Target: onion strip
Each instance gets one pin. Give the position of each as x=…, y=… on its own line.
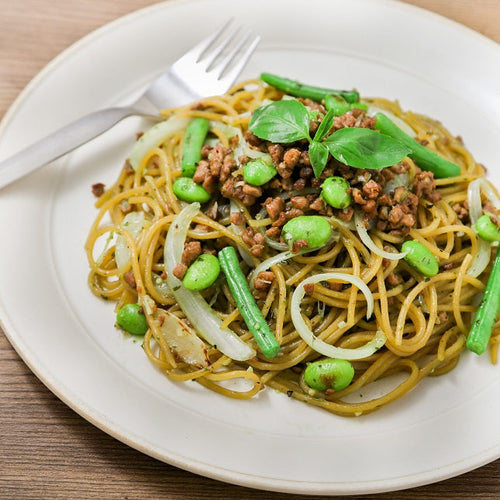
x=154, y=137
x=366, y=239
x=276, y=259
x=483, y=255
x=133, y=222
x=321, y=346
x=194, y=306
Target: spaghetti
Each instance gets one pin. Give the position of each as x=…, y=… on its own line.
x=401, y=325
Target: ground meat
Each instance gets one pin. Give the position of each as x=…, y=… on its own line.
x=490, y=209
x=192, y=250
x=291, y=157
x=253, y=140
x=257, y=250
x=318, y=204
x=300, y=202
x=346, y=214
x=276, y=151
x=299, y=184
x=312, y=105
x=263, y=280
x=281, y=220
x=372, y=189
x=442, y=317
x=202, y=171
x=298, y=245
x=217, y=166
x=98, y=189
x=284, y=171
x=274, y=206
x=309, y=289
x=394, y=279
x=345, y=120
x=129, y=278
x=180, y=271
x=424, y=186
x=210, y=184
x=254, y=240
x=205, y=150
x=462, y=211
x=273, y=232
x=237, y=218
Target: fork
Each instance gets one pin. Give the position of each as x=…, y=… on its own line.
x=208, y=69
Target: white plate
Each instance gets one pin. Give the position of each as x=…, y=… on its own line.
x=445, y=427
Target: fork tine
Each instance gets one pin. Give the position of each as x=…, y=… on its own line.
x=197, y=52
x=241, y=62
x=191, y=77
x=209, y=41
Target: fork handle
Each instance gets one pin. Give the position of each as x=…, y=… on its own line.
x=60, y=142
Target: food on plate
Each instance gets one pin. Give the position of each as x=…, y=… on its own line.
x=334, y=248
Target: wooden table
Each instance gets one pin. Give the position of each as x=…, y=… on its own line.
x=47, y=450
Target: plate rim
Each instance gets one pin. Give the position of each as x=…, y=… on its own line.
x=187, y=463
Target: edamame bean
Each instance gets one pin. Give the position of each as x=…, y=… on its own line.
x=258, y=172
x=335, y=192
x=487, y=229
x=313, y=229
x=131, y=319
x=187, y=190
x=202, y=272
x=420, y=257
x=329, y=373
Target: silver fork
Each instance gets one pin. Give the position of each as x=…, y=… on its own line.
x=208, y=69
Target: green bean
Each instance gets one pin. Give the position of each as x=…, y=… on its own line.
x=202, y=272
x=424, y=158
x=297, y=89
x=339, y=106
x=487, y=229
x=335, y=192
x=258, y=172
x=420, y=258
x=187, y=190
x=194, y=138
x=313, y=229
x=329, y=373
x=246, y=304
x=487, y=313
x=131, y=319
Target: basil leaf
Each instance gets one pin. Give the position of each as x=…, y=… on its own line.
x=318, y=154
x=281, y=121
x=324, y=126
x=365, y=148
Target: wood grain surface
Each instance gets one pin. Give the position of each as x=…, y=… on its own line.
x=47, y=450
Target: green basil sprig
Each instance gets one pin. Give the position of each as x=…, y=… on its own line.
x=288, y=121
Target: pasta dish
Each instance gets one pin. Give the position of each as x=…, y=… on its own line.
x=332, y=247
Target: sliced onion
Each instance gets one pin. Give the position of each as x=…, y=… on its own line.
x=366, y=239
x=399, y=180
x=276, y=259
x=474, y=198
x=133, y=223
x=319, y=345
x=181, y=339
x=194, y=306
x=482, y=258
x=154, y=137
